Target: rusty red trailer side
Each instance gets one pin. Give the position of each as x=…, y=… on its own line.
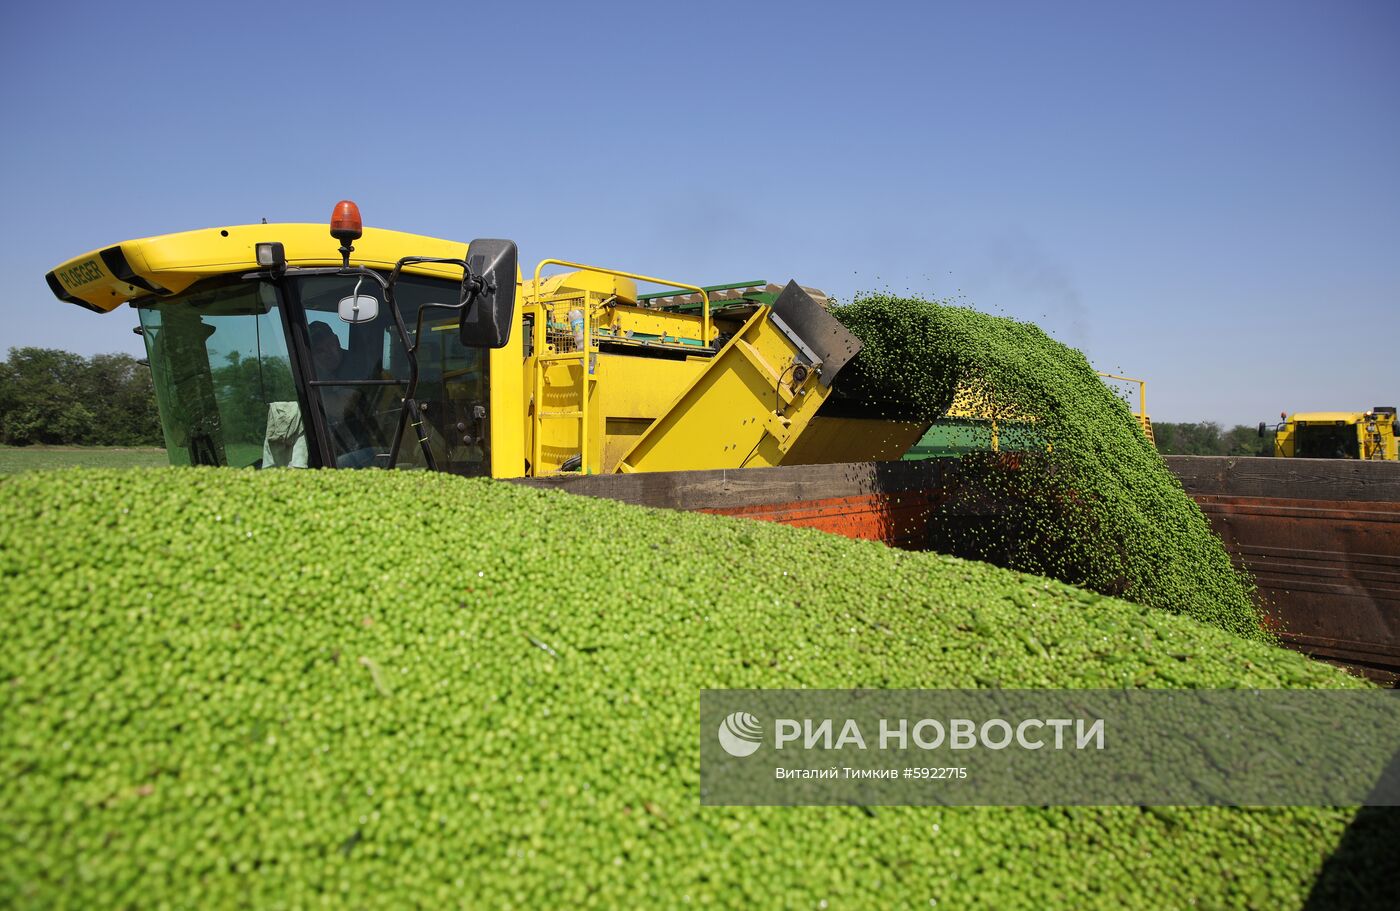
x=1322, y=539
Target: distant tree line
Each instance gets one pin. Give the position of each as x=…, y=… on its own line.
x=61, y=398
x=1207, y=438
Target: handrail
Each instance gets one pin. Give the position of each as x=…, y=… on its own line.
x=1142, y=388
x=586, y=351
x=704, y=295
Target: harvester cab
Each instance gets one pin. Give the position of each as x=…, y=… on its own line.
x=1368, y=435
x=483, y=311
x=405, y=351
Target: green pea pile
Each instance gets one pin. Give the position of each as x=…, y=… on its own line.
x=345, y=689
x=1095, y=505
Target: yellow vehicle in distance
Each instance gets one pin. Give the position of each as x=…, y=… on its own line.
x=1368, y=435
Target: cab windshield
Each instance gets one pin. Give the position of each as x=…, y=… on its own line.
x=220, y=366
x=1327, y=441
x=232, y=392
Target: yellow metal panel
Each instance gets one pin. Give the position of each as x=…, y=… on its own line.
x=643, y=387
x=831, y=440
x=1328, y=417
x=744, y=410
x=706, y=331
x=619, y=436
x=88, y=278
x=173, y=262
x=624, y=319
x=972, y=406
x=507, y=418
x=633, y=392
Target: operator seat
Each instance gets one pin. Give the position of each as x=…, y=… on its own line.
x=284, y=444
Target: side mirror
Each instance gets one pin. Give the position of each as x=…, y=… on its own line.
x=359, y=308
x=1261, y=428
x=488, y=291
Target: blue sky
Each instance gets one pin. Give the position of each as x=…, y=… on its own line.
x=1203, y=194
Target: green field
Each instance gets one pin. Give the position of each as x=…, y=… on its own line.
x=15, y=459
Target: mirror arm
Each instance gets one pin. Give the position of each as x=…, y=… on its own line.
x=411, y=260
